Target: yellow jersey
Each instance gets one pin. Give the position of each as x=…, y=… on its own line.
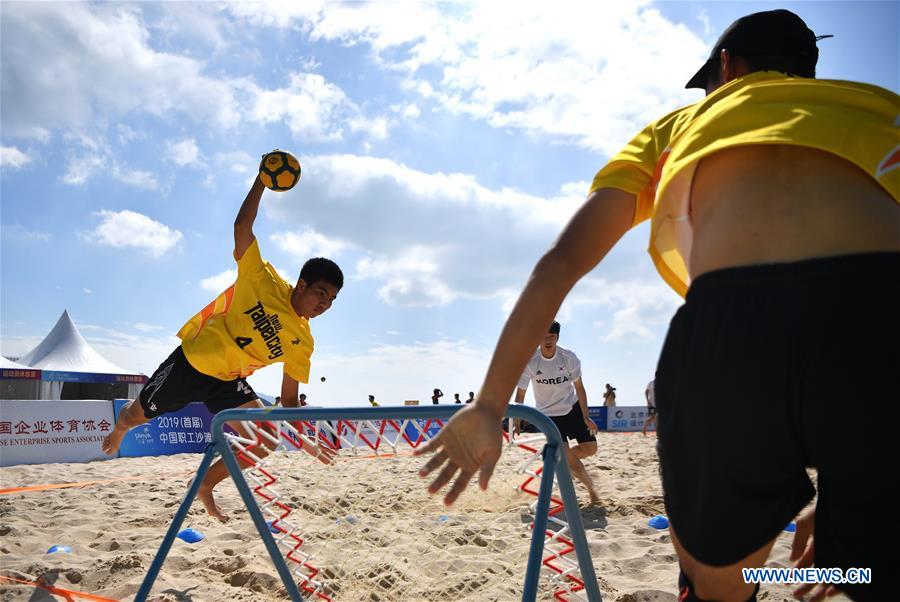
x=857, y=122
x=250, y=325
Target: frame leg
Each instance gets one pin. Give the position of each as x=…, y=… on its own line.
x=172, y=533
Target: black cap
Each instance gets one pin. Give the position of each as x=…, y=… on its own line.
x=770, y=32
x=554, y=328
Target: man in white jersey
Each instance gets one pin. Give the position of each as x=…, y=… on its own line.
x=650, y=394
x=559, y=393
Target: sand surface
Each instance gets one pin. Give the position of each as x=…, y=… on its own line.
x=373, y=532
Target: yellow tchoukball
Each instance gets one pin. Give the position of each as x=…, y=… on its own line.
x=279, y=170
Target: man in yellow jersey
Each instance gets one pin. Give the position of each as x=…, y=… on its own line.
x=774, y=208
x=259, y=320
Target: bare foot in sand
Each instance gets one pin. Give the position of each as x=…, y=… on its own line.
x=112, y=441
x=595, y=499
x=205, y=495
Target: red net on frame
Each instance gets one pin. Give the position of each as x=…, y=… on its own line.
x=363, y=528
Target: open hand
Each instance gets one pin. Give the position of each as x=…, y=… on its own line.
x=802, y=553
x=471, y=441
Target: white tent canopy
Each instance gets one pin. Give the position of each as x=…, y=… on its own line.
x=6, y=364
x=65, y=351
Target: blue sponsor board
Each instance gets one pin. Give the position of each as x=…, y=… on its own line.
x=598, y=415
x=184, y=431
x=627, y=418
x=91, y=377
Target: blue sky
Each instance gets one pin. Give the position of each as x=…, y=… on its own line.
x=443, y=148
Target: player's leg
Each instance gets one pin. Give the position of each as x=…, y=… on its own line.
x=576, y=466
x=701, y=582
x=130, y=416
x=651, y=419
x=156, y=397
x=849, y=416
x=572, y=426
x=732, y=460
x=219, y=470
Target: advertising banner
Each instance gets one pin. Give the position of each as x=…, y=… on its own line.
x=91, y=377
x=18, y=373
x=599, y=416
x=626, y=418
x=41, y=432
x=184, y=431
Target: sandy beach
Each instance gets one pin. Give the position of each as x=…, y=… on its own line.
x=369, y=525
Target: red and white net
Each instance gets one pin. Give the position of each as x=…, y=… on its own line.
x=364, y=528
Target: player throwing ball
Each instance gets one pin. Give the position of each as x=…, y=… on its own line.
x=259, y=320
x=559, y=393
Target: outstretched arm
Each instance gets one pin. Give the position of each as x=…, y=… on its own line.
x=243, y=223
x=471, y=440
x=583, y=402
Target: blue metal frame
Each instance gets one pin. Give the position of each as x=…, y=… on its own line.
x=554, y=463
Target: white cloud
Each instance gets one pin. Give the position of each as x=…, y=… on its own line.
x=86, y=291
x=220, y=281
x=137, y=178
x=20, y=232
x=236, y=161
x=410, y=280
x=314, y=109
x=80, y=169
x=144, y=327
x=393, y=373
x=407, y=110
x=639, y=308
x=12, y=158
x=589, y=73
x=92, y=156
x=124, y=229
x=183, y=152
x=426, y=238
x=308, y=243
x=97, y=63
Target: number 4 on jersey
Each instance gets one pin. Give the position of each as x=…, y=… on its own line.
x=242, y=341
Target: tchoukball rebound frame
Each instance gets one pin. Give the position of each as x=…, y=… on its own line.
x=554, y=465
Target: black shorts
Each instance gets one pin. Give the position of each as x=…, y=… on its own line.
x=572, y=425
x=177, y=383
x=767, y=370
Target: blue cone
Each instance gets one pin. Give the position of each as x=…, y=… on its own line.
x=59, y=549
x=272, y=526
x=190, y=535
x=659, y=522
x=791, y=527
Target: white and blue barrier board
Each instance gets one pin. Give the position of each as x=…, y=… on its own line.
x=43, y=432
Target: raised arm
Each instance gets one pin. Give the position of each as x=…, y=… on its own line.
x=243, y=223
x=472, y=439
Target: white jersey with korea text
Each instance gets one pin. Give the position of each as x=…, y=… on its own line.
x=554, y=381
x=650, y=394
